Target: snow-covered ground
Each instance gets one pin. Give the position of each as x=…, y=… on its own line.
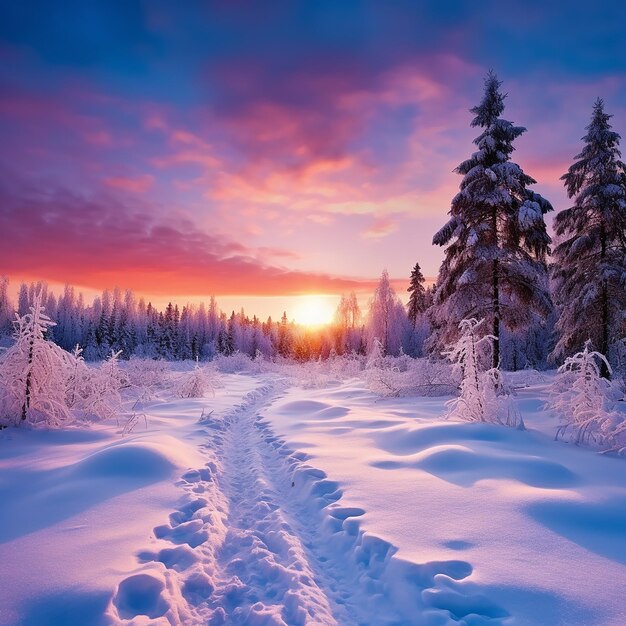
x=285, y=505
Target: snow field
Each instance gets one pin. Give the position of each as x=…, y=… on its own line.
x=537, y=525
x=271, y=504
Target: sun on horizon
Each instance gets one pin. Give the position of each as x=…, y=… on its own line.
x=314, y=310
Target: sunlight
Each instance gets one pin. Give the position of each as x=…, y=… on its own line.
x=314, y=310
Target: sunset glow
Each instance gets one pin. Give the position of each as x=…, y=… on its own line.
x=314, y=310
x=272, y=151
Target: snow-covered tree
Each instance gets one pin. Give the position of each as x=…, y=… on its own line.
x=589, y=268
x=496, y=238
x=483, y=396
x=6, y=308
x=34, y=373
x=580, y=396
x=346, y=324
x=418, y=298
x=285, y=336
x=387, y=319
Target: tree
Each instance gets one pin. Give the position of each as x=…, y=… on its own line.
x=284, y=336
x=496, y=238
x=387, y=318
x=589, y=268
x=347, y=318
x=34, y=373
x=418, y=298
x=6, y=309
x=483, y=397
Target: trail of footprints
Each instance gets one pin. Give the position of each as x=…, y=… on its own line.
x=261, y=539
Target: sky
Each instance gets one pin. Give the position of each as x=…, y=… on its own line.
x=263, y=150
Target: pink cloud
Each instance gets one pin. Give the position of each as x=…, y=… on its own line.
x=138, y=184
x=195, y=151
x=381, y=227
x=65, y=238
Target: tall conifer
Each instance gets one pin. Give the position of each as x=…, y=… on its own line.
x=496, y=239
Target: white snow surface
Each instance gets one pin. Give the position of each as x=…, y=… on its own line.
x=290, y=505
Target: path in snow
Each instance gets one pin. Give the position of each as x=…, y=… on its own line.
x=262, y=539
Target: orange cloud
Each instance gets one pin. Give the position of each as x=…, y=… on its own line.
x=102, y=243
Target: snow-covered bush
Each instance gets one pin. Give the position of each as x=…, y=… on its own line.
x=101, y=396
x=526, y=377
x=500, y=405
x=310, y=374
x=134, y=419
x=195, y=383
x=381, y=374
x=581, y=398
x=34, y=374
x=483, y=397
x=314, y=374
x=345, y=366
x=147, y=376
x=404, y=376
x=79, y=378
x=235, y=363
x=432, y=377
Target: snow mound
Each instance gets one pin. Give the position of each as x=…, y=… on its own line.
x=313, y=410
x=409, y=439
x=147, y=461
x=598, y=526
x=464, y=466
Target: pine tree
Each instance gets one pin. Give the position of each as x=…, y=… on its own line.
x=496, y=238
x=418, y=300
x=589, y=268
x=284, y=340
x=6, y=309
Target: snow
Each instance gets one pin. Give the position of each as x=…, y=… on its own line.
x=269, y=503
x=537, y=523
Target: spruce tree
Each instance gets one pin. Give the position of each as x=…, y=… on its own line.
x=589, y=267
x=418, y=299
x=496, y=238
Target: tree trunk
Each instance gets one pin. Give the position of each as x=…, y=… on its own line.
x=496, y=316
x=495, y=362
x=604, y=298
x=26, y=404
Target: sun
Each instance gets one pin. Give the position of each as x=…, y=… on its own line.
x=314, y=310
